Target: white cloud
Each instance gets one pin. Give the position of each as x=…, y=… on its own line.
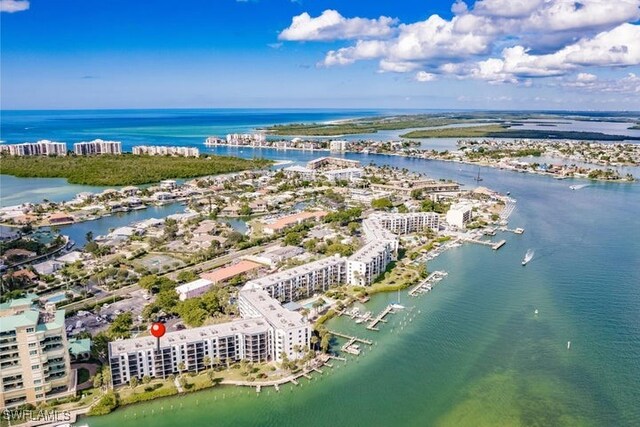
x=630, y=84
x=423, y=76
x=11, y=6
x=330, y=25
x=536, y=38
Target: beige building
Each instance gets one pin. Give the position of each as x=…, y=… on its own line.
x=34, y=354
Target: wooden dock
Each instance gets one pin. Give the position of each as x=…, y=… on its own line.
x=494, y=245
x=349, y=337
x=426, y=284
x=379, y=318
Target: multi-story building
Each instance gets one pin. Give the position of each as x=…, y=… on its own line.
x=346, y=174
x=40, y=148
x=427, y=186
x=459, y=214
x=366, y=264
x=338, y=145
x=408, y=222
x=34, y=354
x=324, y=162
x=289, y=333
x=193, y=289
x=97, y=146
x=267, y=331
x=305, y=280
x=161, y=150
x=253, y=139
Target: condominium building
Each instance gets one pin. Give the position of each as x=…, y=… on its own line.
x=338, y=145
x=289, y=333
x=459, y=214
x=34, y=354
x=339, y=162
x=266, y=332
x=305, y=280
x=370, y=261
x=193, y=289
x=346, y=174
x=408, y=222
x=97, y=146
x=161, y=150
x=40, y=148
x=253, y=139
x=427, y=186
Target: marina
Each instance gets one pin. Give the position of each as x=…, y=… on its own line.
x=427, y=284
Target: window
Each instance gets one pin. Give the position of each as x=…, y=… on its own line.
x=33, y=352
x=30, y=330
x=32, y=344
x=34, y=367
x=39, y=396
x=38, y=388
x=37, y=381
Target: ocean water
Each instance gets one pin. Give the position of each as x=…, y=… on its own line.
x=473, y=352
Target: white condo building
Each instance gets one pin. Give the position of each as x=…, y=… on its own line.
x=408, y=222
x=303, y=281
x=254, y=139
x=40, y=148
x=459, y=214
x=161, y=150
x=97, y=146
x=265, y=332
x=193, y=289
x=338, y=145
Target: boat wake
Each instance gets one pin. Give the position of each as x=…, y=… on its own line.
x=528, y=257
x=578, y=187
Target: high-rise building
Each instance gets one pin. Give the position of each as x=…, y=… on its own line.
x=40, y=148
x=97, y=146
x=161, y=150
x=34, y=354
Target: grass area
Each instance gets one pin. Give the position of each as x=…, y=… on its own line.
x=83, y=375
x=125, y=169
x=504, y=131
x=143, y=392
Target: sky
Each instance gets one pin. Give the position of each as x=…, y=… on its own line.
x=428, y=54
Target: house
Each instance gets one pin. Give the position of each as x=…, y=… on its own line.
x=18, y=254
x=60, y=218
x=205, y=228
x=291, y=220
x=47, y=267
x=223, y=274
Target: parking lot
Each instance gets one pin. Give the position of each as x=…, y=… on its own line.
x=95, y=322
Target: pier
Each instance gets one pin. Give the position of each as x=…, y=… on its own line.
x=426, y=285
x=379, y=318
x=514, y=231
x=494, y=245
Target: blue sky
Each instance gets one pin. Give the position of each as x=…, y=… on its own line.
x=488, y=54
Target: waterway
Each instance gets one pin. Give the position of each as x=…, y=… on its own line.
x=473, y=352
x=476, y=354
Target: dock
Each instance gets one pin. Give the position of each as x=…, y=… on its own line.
x=379, y=318
x=349, y=337
x=426, y=285
x=494, y=245
x=514, y=231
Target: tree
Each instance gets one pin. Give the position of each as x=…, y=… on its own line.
x=382, y=203
x=191, y=311
x=100, y=345
x=133, y=382
x=245, y=210
x=325, y=343
x=292, y=238
x=314, y=341
x=181, y=367
x=146, y=379
x=97, y=380
x=187, y=276
x=206, y=361
x=121, y=326
x=89, y=236
x=416, y=194
x=353, y=227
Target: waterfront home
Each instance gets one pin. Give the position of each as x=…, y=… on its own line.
x=58, y=218
x=18, y=254
x=47, y=267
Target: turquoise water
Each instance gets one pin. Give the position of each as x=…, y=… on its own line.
x=472, y=352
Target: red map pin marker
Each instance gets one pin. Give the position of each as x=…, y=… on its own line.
x=158, y=330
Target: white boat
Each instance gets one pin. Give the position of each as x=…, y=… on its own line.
x=535, y=312
x=397, y=306
x=527, y=257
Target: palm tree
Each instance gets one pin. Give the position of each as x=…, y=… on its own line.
x=89, y=236
x=207, y=361
x=181, y=367
x=314, y=341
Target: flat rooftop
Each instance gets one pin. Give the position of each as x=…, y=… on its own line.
x=298, y=271
x=270, y=309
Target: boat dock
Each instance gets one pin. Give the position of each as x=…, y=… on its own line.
x=351, y=345
x=514, y=231
x=379, y=318
x=494, y=245
x=426, y=285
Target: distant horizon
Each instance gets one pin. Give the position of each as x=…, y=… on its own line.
x=416, y=109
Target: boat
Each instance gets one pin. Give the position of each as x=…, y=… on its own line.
x=568, y=345
x=573, y=187
x=359, y=320
x=397, y=306
x=478, y=179
x=527, y=257
x=535, y=312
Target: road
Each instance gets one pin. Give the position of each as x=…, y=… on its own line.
x=207, y=265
